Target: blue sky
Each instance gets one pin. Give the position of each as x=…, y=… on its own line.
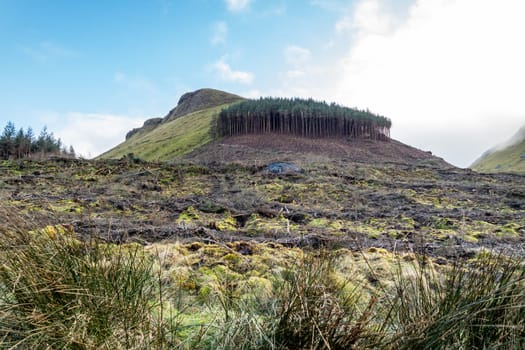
x=448, y=73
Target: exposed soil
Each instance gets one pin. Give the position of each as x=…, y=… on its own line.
x=274, y=146
x=425, y=205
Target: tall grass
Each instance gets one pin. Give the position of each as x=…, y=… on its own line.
x=316, y=311
x=309, y=309
x=57, y=292
x=478, y=304
x=61, y=293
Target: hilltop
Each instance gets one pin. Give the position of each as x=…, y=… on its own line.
x=508, y=157
x=184, y=128
x=209, y=125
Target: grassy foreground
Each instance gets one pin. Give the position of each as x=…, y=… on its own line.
x=58, y=292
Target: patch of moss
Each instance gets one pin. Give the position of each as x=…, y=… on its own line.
x=188, y=215
x=226, y=223
x=67, y=205
x=276, y=226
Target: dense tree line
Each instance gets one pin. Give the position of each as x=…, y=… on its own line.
x=301, y=117
x=16, y=144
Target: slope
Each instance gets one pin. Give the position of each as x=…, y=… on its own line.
x=184, y=128
x=509, y=157
x=274, y=129
x=169, y=139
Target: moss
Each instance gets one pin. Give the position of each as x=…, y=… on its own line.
x=443, y=224
x=232, y=258
x=256, y=286
x=320, y=222
x=470, y=238
x=407, y=222
x=279, y=225
x=381, y=251
x=227, y=223
x=508, y=230
x=67, y=205
x=189, y=215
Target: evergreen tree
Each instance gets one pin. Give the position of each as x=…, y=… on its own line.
x=71, y=152
x=307, y=118
x=19, y=144
x=7, y=140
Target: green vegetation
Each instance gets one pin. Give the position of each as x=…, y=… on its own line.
x=509, y=159
x=16, y=144
x=389, y=205
x=479, y=304
x=170, y=139
x=201, y=99
x=301, y=117
x=186, y=127
x=59, y=292
x=129, y=254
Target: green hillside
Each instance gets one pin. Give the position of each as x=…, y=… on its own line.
x=509, y=158
x=184, y=128
x=169, y=139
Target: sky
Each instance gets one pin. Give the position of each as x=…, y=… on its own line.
x=450, y=74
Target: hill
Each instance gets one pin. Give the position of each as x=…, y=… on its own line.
x=210, y=125
x=509, y=157
x=184, y=128
x=201, y=99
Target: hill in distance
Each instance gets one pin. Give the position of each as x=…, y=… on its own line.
x=509, y=157
x=210, y=125
x=184, y=128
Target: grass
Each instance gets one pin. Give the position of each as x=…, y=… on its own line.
x=509, y=159
x=474, y=305
x=58, y=292
x=169, y=140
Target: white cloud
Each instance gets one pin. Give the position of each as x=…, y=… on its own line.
x=225, y=72
x=369, y=17
x=237, y=5
x=294, y=73
x=343, y=24
x=46, y=50
x=296, y=55
x=449, y=74
x=219, y=33
x=251, y=93
x=92, y=134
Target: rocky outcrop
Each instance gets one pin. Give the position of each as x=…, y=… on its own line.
x=188, y=103
x=149, y=125
x=198, y=100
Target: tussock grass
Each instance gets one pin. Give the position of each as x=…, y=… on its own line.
x=477, y=304
x=61, y=293
x=57, y=292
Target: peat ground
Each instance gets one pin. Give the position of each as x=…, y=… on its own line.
x=424, y=205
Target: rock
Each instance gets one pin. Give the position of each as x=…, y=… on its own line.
x=283, y=168
x=198, y=100
x=148, y=125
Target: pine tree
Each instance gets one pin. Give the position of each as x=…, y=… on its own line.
x=7, y=141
